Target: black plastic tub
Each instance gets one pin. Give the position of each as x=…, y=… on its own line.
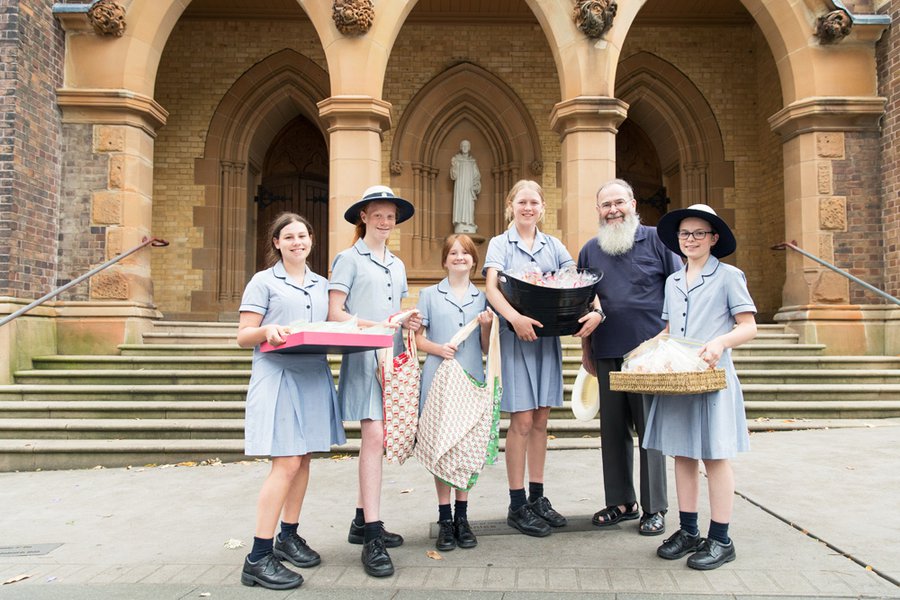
x=558, y=309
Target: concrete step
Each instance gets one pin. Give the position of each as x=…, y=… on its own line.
x=830, y=409
x=123, y=393
x=816, y=362
x=850, y=393
x=194, y=327
x=824, y=376
x=183, y=350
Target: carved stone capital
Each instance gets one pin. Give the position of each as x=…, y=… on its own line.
x=594, y=17
x=353, y=17
x=834, y=26
x=107, y=18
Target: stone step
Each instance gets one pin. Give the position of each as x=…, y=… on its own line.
x=80, y=362
x=830, y=409
x=116, y=409
x=822, y=377
x=195, y=327
x=166, y=337
x=183, y=349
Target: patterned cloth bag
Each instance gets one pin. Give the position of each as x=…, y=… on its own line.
x=400, y=392
x=459, y=428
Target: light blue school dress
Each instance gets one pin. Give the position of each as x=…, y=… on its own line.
x=711, y=425
x=443, y=314
x=292, y=408
x=532, y=371
x=374, y=290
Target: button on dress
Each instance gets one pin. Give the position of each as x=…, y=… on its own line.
x=374, y=290
x=292, y=407
x=711, y=425
x=532, y=371
x=443, y=314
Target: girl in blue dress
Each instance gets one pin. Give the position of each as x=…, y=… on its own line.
x=291, y=409
x=445, y=308
x=368, y=281
x=706, y=300
x=531, y=365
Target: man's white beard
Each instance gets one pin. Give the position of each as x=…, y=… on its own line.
x=616, y=239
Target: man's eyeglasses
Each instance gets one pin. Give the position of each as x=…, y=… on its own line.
x=697, y=235
x=619, y=204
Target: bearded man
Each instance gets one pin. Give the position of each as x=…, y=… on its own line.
x=635, y=265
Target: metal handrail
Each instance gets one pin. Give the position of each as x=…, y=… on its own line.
x=155, y=242
x=793, y=246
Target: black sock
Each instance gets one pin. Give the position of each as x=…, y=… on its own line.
x=261, y=548
x=288, y=529
x=718, y=532
x=689, y=522
x=359, y=519
x=460, y=509
x=444, y=513
x=516, y=499
x=373, y=530
x=535, y=490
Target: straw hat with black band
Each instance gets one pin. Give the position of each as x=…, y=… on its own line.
x=670, y=223
x=380, y=193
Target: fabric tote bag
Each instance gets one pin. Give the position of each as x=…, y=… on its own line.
x=459, y=428
x=400, y=377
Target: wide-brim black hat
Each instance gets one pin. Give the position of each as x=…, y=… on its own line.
x=381, y=193
x=667, y=229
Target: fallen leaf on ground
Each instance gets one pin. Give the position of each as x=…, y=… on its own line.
x=187, y=463
x=341, y=457
x=16, y=578
x=233, y=544
x=869, y=568
x=551, y=437
x=434, y=555
x=406, y=491
x=99, y=467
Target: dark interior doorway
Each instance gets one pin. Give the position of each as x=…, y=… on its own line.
x=637, y=162
x=295, y=179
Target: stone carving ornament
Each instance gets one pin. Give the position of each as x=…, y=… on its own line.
x=594, y=17
x=834, y=26
x=353, y=17
x=107, y=18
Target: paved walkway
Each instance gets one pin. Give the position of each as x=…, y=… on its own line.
x=157, y=533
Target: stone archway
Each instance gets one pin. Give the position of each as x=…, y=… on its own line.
x=465, y=101
x=675, y=115
x=251, y=114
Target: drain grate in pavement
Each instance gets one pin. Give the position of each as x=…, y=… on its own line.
x=499, y=527
x=28, y=550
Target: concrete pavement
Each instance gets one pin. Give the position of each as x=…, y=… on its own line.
x=161, y=532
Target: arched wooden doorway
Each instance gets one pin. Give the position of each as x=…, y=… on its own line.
x=295, y=179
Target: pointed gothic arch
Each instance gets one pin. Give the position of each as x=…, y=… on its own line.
x=250, y=115
x=463, y=98
x=667, y=105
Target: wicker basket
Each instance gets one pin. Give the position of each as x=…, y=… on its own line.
x=695, y=382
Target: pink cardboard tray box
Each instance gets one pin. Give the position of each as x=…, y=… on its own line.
x=329, y=342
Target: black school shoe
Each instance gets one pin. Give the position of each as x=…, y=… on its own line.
x=270, y=574
x=542, y=508
x=446, y=540
x=357, y=535
x=525, y=520
x=376, y=560
x=679, y=544
x=463, y=534
x=295, y=550
x=712, y=554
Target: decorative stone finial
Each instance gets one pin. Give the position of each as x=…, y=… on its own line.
x=353, y=17
x=594, y=17
x=107, y=17
x=834, y=26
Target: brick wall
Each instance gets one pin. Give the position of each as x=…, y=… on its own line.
x=888, y=57
x=82, y=245
x=31, y=66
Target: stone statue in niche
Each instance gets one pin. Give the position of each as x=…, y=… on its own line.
x=594, y=17
x=107, y=18
x=466, y=187
x=834, y=26
x=353, y=17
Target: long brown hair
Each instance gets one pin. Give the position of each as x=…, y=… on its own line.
x=273, y=255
